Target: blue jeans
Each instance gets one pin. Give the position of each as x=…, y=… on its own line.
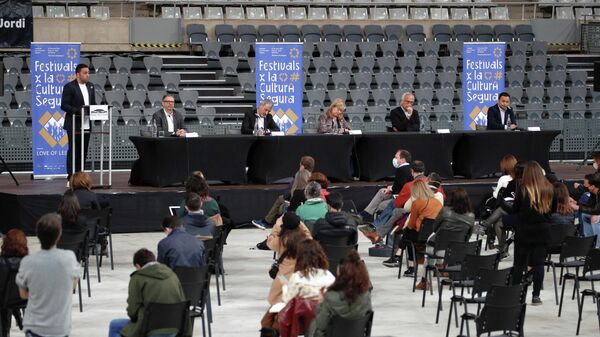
x=591, y=228
x=385, y=215
x=116, y=325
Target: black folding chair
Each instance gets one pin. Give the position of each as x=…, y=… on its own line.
x=335, y=254
x=591, y=273
x=165, y=316
x=195, y=283
x=504, y=310
x=424, y=233
x=78, y=244
x=360, y=327
x=104, y=230
x=558, y=234
x=11, y=300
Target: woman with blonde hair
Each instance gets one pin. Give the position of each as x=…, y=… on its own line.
x=332, y=121
x=534, y=203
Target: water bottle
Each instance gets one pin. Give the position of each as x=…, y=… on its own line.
x=154, y=128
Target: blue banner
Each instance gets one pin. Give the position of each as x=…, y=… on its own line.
x=483, y=80
x=52, y=66
x=279, y=78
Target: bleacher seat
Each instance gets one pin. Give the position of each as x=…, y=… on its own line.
x=524, y=33
x=398, y=14
x=326, y=48
x=196, y=35
x=565, y=13
x=535, y=95
x=255, y=13
x=389, y=48
x=23, y=99
x=136, y=98
x=276, y=13
x=578, y=77
x=353, y=33
x=374, y=33
x=334, y=94
x=268, y=33
x=322, y=64
x=171, y=81
x=140, y=81
x=557, y=78
x=558, y=62
x=116, y=98
x=423, y=96
x=368, y=48
x=101, y=64
x=344, y=64
x=359, y=97
x=578, y=94
x=410, y=48
x=405, y=80
x=504, y=33
x=518, y=48
x=415, y=33
x=189, y=98
x=234, y=13
x=386, y=64
x=539, y=47
x=439, y=14
x=332, y=33
x=584, y=14
x=417, y=13
x=316, y=98
x=483, y=33
x=213, y=13
x=25, y=80
x=169, y=12
x=155, y=98
x=556, y=94
x=428, y=64
x=499, y=13
x=455, y=48
x=55, y=11
x=381, y=96
x=247, y=81
x=78, y=12
x=224, y=33
x=384, y=80
x=426, y=80
x=341, y=80
x=319, y=80
x=13, y=64
x=441, y=33
x=359, y=13
x=317, y=13
x=447, y=79
x=449, y=63
x=538, y=62
x=394, y=32
x=311, y=33
x=378, y=13
x=363, y=80
x=407, y=64
x=365, y=64
x=247, y=33
x=515, y=79
x=463, y=33
x=123, y=64
x=211, y=49
x=192, y=13
x=37, y=11
x=289, y=33
x=296, y=13
x=516, y=63
x=338, y=13
x=118, y=82
x=480, y=13
x=461, y=14
x=536, y=78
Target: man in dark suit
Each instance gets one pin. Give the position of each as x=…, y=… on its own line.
x=76, y=94
x=404, y=117
x=501, y=116
x=260, y=120
x=168, y=119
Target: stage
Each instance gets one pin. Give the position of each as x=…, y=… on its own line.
x=141, y=209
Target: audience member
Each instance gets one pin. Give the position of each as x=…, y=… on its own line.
x=287, y=223
x=591, y=211
x=179, y=248
x=195, y=222
x=507, y=167
x=533, y=207
x=314, y=208
x=14, y=248
x=196, y=183
x=151, y=282
x=348, y=297
x=337, y=228
x=47, y=279
x=565, y=206
x=404, y=117
x=72, y=221
x=260, y=121
x=384, y=196
x=81, y=185
x=332, y=121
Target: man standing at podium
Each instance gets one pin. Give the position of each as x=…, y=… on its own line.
x=75, y=95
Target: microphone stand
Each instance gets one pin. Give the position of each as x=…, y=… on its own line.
x=6, y=168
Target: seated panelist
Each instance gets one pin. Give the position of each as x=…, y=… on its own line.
x=332, y=121
x=260, y=121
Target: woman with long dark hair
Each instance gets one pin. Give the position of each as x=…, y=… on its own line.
x=14, y=248
x=348, y=297
x=69, y=209
x=533, y=206
x=565, y=206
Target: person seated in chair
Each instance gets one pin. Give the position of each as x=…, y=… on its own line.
x=337, y=228
x=314, y=208
x=151, y=282
x=405, y=118
x=169, y=120
x=179, y=248
x=195, y=222
x=500, y=116
x=260, y=122
x=333, y=121
x=81, y=185
x=14, y=248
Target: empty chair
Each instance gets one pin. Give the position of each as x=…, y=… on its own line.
x=538, y=63
x=116, y=98
x=565, y=13
x=381, y=97
x=196, y=35
x=131, y=116
x=13, y=64
x=17, y=117
x=189, y=99
x=118, y=81
x=480, y=13
x=136, y=98
x=363, y=80
x=359, y=97
x=379, y=13
x=353, y=33
x=240, y=49
x=557, y=78
x=417, y=13
x=398, y=14
x=428, y=64
x=426, y=80
x=410, y=48
x=247, y=81
x=23, y=99
x=359, y=13
x=578, y=94
x=268, y=33
x=316, y=98
x=516, y=94
x=365, y=64
x=518, y=48
x=441, y=33
x=234, y=13
x=213, y=13
x=463, y=33
x=483, y=33
x=5, y=101
x=556, y=94
x=155, y=98
x=347, y=48
x=389, y=48
x=384, y=80
x=455, y=48
x=170, y=12
x=192, y=13
x=296, y=13
x=558, y=62
x=515, y=79
x=535, y=94
x=504, y=33
x=578, y=78
x=311, y=33
x=123, y=64
x=140, y=81
x=338, y=13
x=171, y=81
x=368, y=48
x=317, y=13
x=517, y=63
x=394, y=32
x=386, y=64
x=536, y=78
x=229, y=65
x=332, y=33
x=56, y=12
x=459, y=14
x=326, y=48
x=439, y=13
x=407, y=64
x=447, y=79
x=319, y=80
x=344, y=64
x=405, y=80
x=78, y=12
x=423, y=96
x=341, y=80
x=334, y=94
x=211, y=49
x=584, y=13
x=539, y=47
x=524, y=33
x=247, y=33
x=25, y=80
x=322, y=64
x=154, y=64
x=37, y=11
x=449, y=63
x=431, y=48
x=499, y=13
x=276, y=13
x=255, y=13
x=374, y=33
x=415, y=33
x=289, y=33
x=224, y=33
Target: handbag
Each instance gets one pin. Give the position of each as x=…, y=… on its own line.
x=275, y=266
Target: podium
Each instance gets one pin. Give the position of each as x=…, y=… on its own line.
x=88, y=115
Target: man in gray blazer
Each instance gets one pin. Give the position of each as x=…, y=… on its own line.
x=168, y=119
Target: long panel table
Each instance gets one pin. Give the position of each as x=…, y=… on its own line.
x=169, y=161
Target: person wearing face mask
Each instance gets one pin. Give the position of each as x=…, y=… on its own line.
x=332, y=121
x=500, y=116
x=404, y=117
x=590, y=213
x=401, y=163
x=260, y=122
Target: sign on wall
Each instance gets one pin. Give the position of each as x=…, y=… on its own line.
x=52, y=66
x=279, y=78
x=16, y=24
x=483, y=80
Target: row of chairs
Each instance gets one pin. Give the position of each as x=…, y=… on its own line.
x=57, y=11
x=227, y=33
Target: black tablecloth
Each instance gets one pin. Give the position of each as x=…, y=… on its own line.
x=375, y=152
x=273, y=158
x=168, y=161
x=478, y=153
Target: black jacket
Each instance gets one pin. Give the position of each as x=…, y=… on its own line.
x=337, y=228
x=494, y=120
x=87, y=199
x=72, y=101
x=401, y=123
x=532, y=227
x=250, y=120
x=403, y=176
x=163, y=125
x=593, y=207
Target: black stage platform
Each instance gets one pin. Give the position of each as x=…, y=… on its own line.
x=140, y=209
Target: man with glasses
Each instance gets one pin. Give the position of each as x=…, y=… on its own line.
x=404, y=117
x=168, y=120
x=260, y=121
